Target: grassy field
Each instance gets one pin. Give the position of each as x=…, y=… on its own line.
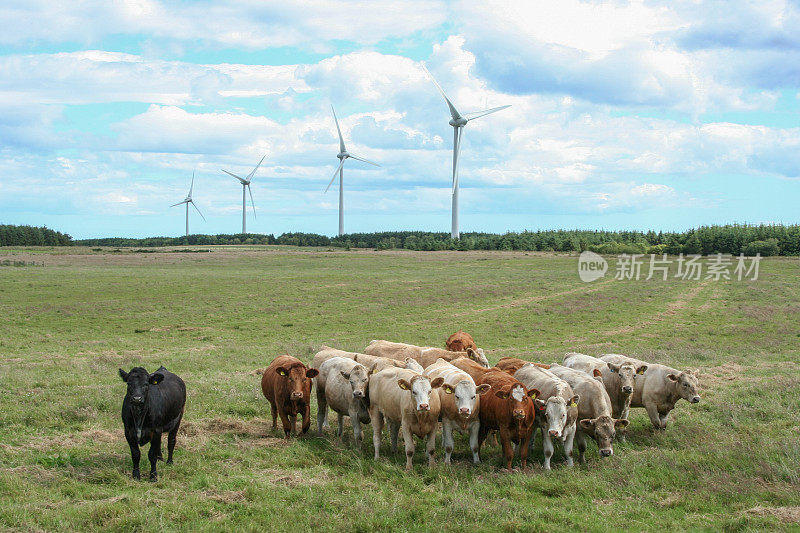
x=71, y=317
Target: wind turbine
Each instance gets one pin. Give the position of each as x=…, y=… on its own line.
x=458, y=121
x=245, y=188
x=343, y=154
x=188, y=200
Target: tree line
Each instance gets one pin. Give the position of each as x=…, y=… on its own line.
x=730, y=239
x=11, y=235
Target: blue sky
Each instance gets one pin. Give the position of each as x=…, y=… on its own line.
x=625, y=115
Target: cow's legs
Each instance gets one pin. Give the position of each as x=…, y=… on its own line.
x=474, y=431
x=547, y=447
x=153, y=453
x=322, y=411
x=408, y=439
x=524, y=446
x=394, y=429
x=431, y=445
x=569, y=438
x=354, y=420
x=377, y=427
x=286, y=423
x=171, y=438
x=306, y=418
x=663, y=419
x=136, y=454
x=655, y=416
x=340, y=430
x=274, y=410
x=508, y=451
x=580, y=436
x=447, y=439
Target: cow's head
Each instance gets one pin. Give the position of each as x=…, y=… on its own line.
x=478, y=356
x=556, y=411
x=686, y=385
x=298, y=377
x=413, y=364
x=603, y=429
x=358, y=377
x=420, y=388
x=520, y=401
x=627, y=373
x=465, y=395
x=139, y=381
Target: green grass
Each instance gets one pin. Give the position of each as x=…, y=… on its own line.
x=728, y=463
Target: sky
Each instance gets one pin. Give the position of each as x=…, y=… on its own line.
x=624, y=115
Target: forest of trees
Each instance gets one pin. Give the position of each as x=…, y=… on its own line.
x=731, y=239
x=32, y=236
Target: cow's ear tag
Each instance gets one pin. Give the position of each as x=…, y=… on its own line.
x=282, y=372
x=448, y=389
x=640, y=372
x=573, y=404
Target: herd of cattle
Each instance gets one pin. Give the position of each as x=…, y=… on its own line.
x=412, y=388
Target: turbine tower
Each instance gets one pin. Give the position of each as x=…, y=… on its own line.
x=246, y=188
x=188, y=200
x=458, y=121
x=343, y=154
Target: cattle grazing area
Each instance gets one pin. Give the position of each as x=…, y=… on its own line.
x=218, y=319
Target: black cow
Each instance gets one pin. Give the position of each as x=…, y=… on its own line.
x=153, y=405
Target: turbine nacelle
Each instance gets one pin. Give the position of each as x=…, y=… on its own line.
x=459, y=122
x=343, y=155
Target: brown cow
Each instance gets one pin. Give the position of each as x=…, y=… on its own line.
x=424, y=354
x=460, y=341
x=286, y=384
x=508, y=408
x=475, y=370
x=512, y=364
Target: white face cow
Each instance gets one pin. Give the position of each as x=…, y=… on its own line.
x=420, y=388
x=555, y=411
x=358, y=379
x=465, y=395
x=686, y=386
x=478, y=356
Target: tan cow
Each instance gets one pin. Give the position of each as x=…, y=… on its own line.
x=425, y=355
x=659, y=389
x=403, y=398
x=460, y=341
x=594, y=411
x=556, y=409
x=618, y=379
x=342, y=386
x=460, y=400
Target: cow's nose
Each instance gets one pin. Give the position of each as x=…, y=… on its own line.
x=519, y=415
x=138, y=399
x=627, y=390
x=464, y=411
x=424, y=407
x=553, y=433
x=696, y=399
x=606, y=452
x=297, y=395
x=358, y=394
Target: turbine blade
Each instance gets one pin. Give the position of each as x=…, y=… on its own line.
x=364, y=160
x=341, y=140
x=234, y=175
x=453, y=111
x=179, y=203
x=476, y=114
x=335, y=174
x=192, y=185
x=198, y=211
x=251, y=200
x=456, y=152
x=250, y=176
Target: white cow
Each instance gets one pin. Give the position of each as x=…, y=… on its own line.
x=460, y=401
x=403, y=398
x=556, y=409
x=342, y=385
